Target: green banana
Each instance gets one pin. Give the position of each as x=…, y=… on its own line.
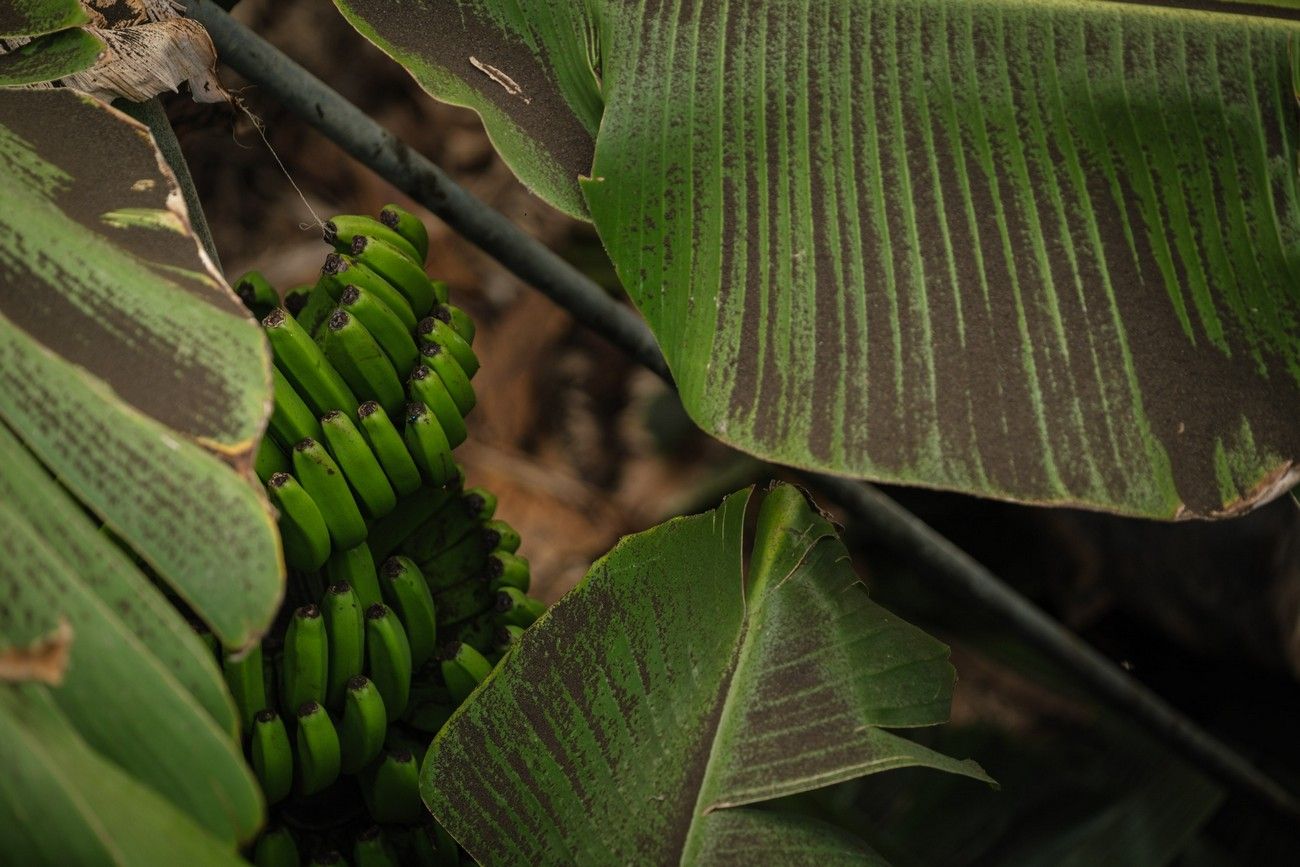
x=504, y=569
x=389, y=534
x=305, y=671
x=506, y=637
x=406, y=592
x=291, y=420
x=428, y=444
x=339, y=232
x=431, y=329
x=458, y=319
x=355, y=566
x=398, y=269
x=463, y=669
x=317, y=308
x=373, y=850
x=513, y=608
x=243, y=674
x=387, y=444
x=359, y=464
x=276, y=848
x=272, y=755
x=410, y=227
x=388, y=658
x=305, y=366
x=269, y=460
x=463, y=601
x=500, y=536
x=345, y=630
x=391, y=788
x=364, y=366
x=303, y=530
x=365, y=721
x=425, y=386
x=464, y=560
x=444, y=364
x=317, y=749
x=258, y=295
x=321, y=477
x=449, y=525
x=341, y=271
x=383, y=324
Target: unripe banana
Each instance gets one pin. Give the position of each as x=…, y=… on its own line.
x=317, y=749
x=383, y=325
x=431, y=329
x=388, y=658
x=364, y=724
x=303, y=530
x=269, y=460
x=413, y=512
x=291, y=419
x=457, y=319
x=305, y=366
x=428, y=444
x=322, y=479
x=363, y=365
x=444, y=364
x=316, y=310
x=258, y=295
x=406, y=592
x=386, y=442
x=398, y=269
x=410, y=227
x=276, y=848
x=506, y=638
x=345, y=630
x=373, y=850
x=425, y=386
x=500, y=536
x=339, y=232
x=449, y=525
x=340, y=271
x=464, y=601
x=272, y=755
x=463, y=669
x=391, y=788
x=306, y=658
x=243, y=673
x=359, y=465
x=464, y=560
x=504, y=569
x=513, y=608
x=356, y=567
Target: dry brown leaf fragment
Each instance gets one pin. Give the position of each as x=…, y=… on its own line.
x=45, y=660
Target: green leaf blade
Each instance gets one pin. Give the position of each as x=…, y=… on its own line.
x=35, y=17
x=49, y=57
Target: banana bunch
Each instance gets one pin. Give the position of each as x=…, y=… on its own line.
x=404, y=589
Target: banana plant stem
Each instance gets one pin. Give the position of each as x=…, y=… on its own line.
x=351, y=129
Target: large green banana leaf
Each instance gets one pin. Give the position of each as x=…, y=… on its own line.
x=46, y=58
x=646, y=716
x=38, y=17
x=126, y=364
x=1043, y=250
x=133, y=387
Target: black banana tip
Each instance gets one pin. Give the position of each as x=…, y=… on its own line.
x=305, y=444
x=334, y=264
x=377, y=611
x=426, y=325
x=420, y=372
x=350, y=295
x=403, y=757
x=431, y=349
x=389, y=218
x=358, y=681
x=295, y=302
x=503, y=637
x=265, y=715
x=448, y=650
x=392, y=567
x=415, y=410
x=443, y=312
x=475, y=503
x=367, y=409
x=494, y=567
x=359, y=243
x=340, y=588
x=491, y=539
x=339, y=320
x=275, y=318
x=504, y=602
x=329, y=232
x=307, y=612
x=279, y=480
x=307, y=708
